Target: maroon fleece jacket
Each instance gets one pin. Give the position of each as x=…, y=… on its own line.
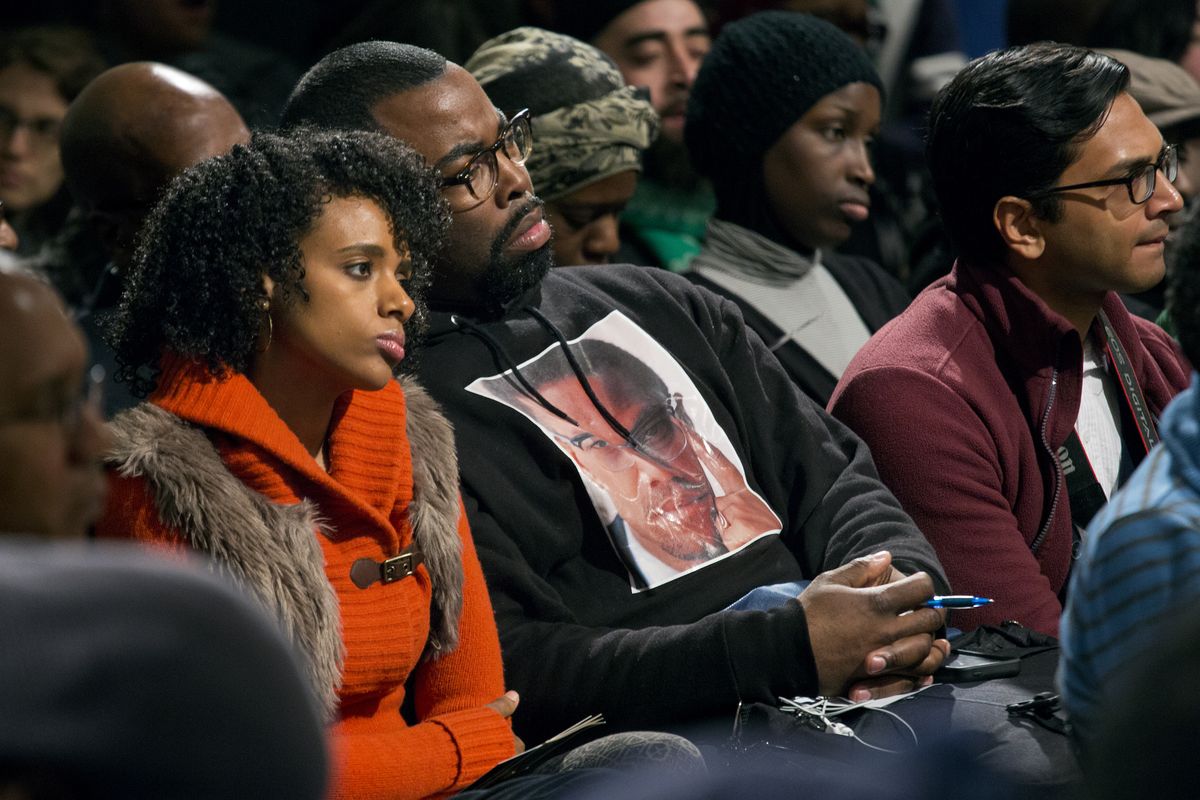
x=963, y=400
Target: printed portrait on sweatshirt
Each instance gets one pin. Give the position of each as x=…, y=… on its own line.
x=660, y=471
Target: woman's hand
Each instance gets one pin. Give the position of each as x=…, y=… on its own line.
x=506, y=705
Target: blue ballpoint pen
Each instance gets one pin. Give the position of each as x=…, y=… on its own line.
x=956, y=601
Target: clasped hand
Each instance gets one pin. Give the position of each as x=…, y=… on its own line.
x=869, y=633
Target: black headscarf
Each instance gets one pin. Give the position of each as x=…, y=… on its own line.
x=763, y=73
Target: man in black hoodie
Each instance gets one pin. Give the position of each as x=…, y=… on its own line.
x=581, y=632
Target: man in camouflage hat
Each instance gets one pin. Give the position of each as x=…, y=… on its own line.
x=592, y=130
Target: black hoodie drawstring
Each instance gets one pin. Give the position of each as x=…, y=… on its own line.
x=504, y=358
x=581, y=376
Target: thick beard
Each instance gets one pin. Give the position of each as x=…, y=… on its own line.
x=506, y=279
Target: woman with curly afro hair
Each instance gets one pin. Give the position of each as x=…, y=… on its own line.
x=274, y=293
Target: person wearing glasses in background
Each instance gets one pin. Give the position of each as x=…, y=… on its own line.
x=579, y=633
x=123, y=675
x=52, y=434
x=169, y=667
x=1011, y=398
x=41, y=72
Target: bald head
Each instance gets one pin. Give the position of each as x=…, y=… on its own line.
x=34, y=323
x=50, y=445
x=136, y=127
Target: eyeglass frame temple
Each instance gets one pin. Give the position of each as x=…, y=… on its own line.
x=1127, y=181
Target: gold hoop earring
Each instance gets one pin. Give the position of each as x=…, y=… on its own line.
x=265, y=305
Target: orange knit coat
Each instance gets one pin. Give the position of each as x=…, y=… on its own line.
x=363, y=502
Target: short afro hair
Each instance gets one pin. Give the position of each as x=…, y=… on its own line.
x=340, y=90
x=196, y=286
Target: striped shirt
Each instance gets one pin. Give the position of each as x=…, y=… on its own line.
x=1141, y=561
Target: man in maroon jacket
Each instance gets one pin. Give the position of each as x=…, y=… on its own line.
x=1014, y=395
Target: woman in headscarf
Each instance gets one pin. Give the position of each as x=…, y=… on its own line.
x=782, y=118
x=591, y=132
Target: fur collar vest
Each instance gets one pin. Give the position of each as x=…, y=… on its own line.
x=270, y=548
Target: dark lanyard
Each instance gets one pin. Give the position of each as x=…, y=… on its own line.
x=1086, y=495
x=1134, y=399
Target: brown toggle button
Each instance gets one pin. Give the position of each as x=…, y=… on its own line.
x=366, y=571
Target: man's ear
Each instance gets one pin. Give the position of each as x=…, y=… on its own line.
x=1019, y=226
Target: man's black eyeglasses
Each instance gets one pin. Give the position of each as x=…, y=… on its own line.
x=482, y=172
x=1140, y=184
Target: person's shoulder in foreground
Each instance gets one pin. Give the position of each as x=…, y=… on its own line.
x=1140, y=564
x=967, y=398
x=122, y=675
x=52, y=435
